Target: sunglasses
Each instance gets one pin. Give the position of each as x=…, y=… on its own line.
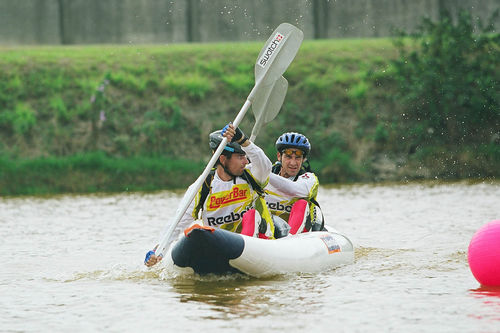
x=296, y=152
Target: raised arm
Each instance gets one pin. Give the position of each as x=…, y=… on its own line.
x=260, y=165
x=303, y=187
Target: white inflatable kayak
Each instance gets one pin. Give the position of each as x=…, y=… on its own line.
x=216, y=251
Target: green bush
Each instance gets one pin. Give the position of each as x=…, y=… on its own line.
x=449, y=84
x=128, y=81
x=11, y=88
x=59, y=107
x=154, y=124
x=358, y=91
x=315, y=83
x=381, y=134
x=173, y=110
x=240, y=83
x=341, y=75
x=194, y=85
x=23, y=119
x=211, y=67
x=336, y=166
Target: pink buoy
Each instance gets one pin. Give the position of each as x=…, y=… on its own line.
x=484, y=254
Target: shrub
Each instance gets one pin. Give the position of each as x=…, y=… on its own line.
x=336, y=166
x=381, y=134
x=173, y=110
x=358, y=91
x=153, y=124
x=450, y=83
x=23, y=119
x=240, y=84
x=59, y=108
x=315, y=83
x=11, y=88
x=128, y=81
x=194, y=86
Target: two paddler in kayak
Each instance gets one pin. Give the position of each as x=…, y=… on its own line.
x=233, y=196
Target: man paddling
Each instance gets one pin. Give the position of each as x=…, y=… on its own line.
x=292, y=189
x=231, y=197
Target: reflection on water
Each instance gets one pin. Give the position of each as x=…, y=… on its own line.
x=75, y=263
x=486, y=292
x=490, y=298
x=231, y=296
x=239, y=296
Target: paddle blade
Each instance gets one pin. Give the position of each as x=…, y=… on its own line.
x=276, y=99
x=267, y=104
x=278, y=53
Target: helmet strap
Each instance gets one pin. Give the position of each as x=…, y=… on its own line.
x=226, y=170
x=276, y=168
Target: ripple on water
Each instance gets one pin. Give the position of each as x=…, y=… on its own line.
x=70, y=261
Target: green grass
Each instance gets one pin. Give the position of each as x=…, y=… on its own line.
x=90, y=172
x=160, y=101
x=194, y=86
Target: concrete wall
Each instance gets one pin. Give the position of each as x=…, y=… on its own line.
x=378, y=18
x=123, y=21
x=374, y=18
x=218, y=20
x=172, y=21
x=29, y=22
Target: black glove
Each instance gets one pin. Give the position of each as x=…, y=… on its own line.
x=238, y=135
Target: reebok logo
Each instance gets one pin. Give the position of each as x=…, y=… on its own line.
x=230, y=218
x=276, y=206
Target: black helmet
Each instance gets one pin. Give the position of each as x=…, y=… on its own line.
x=293, y=140
x=231, y=147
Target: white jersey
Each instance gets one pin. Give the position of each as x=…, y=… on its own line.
x=227, y=201
x=282, y=193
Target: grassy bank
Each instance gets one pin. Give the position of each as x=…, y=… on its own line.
x=94, y=172
x=108, y=118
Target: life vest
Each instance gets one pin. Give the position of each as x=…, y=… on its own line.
x=259, y=203
x=316, y=218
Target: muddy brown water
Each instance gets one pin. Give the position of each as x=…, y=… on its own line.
x=74, y=263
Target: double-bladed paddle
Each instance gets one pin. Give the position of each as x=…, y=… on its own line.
x=267, y=104
x=267, y=94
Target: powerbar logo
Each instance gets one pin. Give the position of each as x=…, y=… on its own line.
x=236, y=194
x=230, y=218
x=271, y=48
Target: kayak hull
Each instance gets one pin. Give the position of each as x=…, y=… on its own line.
x=218, y=251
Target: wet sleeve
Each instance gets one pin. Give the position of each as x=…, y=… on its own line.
x=304, y=187
x=260, y=165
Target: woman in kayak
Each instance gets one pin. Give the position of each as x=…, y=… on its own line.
x=292, y=189
x=232, y=196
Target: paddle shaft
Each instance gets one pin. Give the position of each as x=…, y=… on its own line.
x=188, y=197
x=272, y=62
